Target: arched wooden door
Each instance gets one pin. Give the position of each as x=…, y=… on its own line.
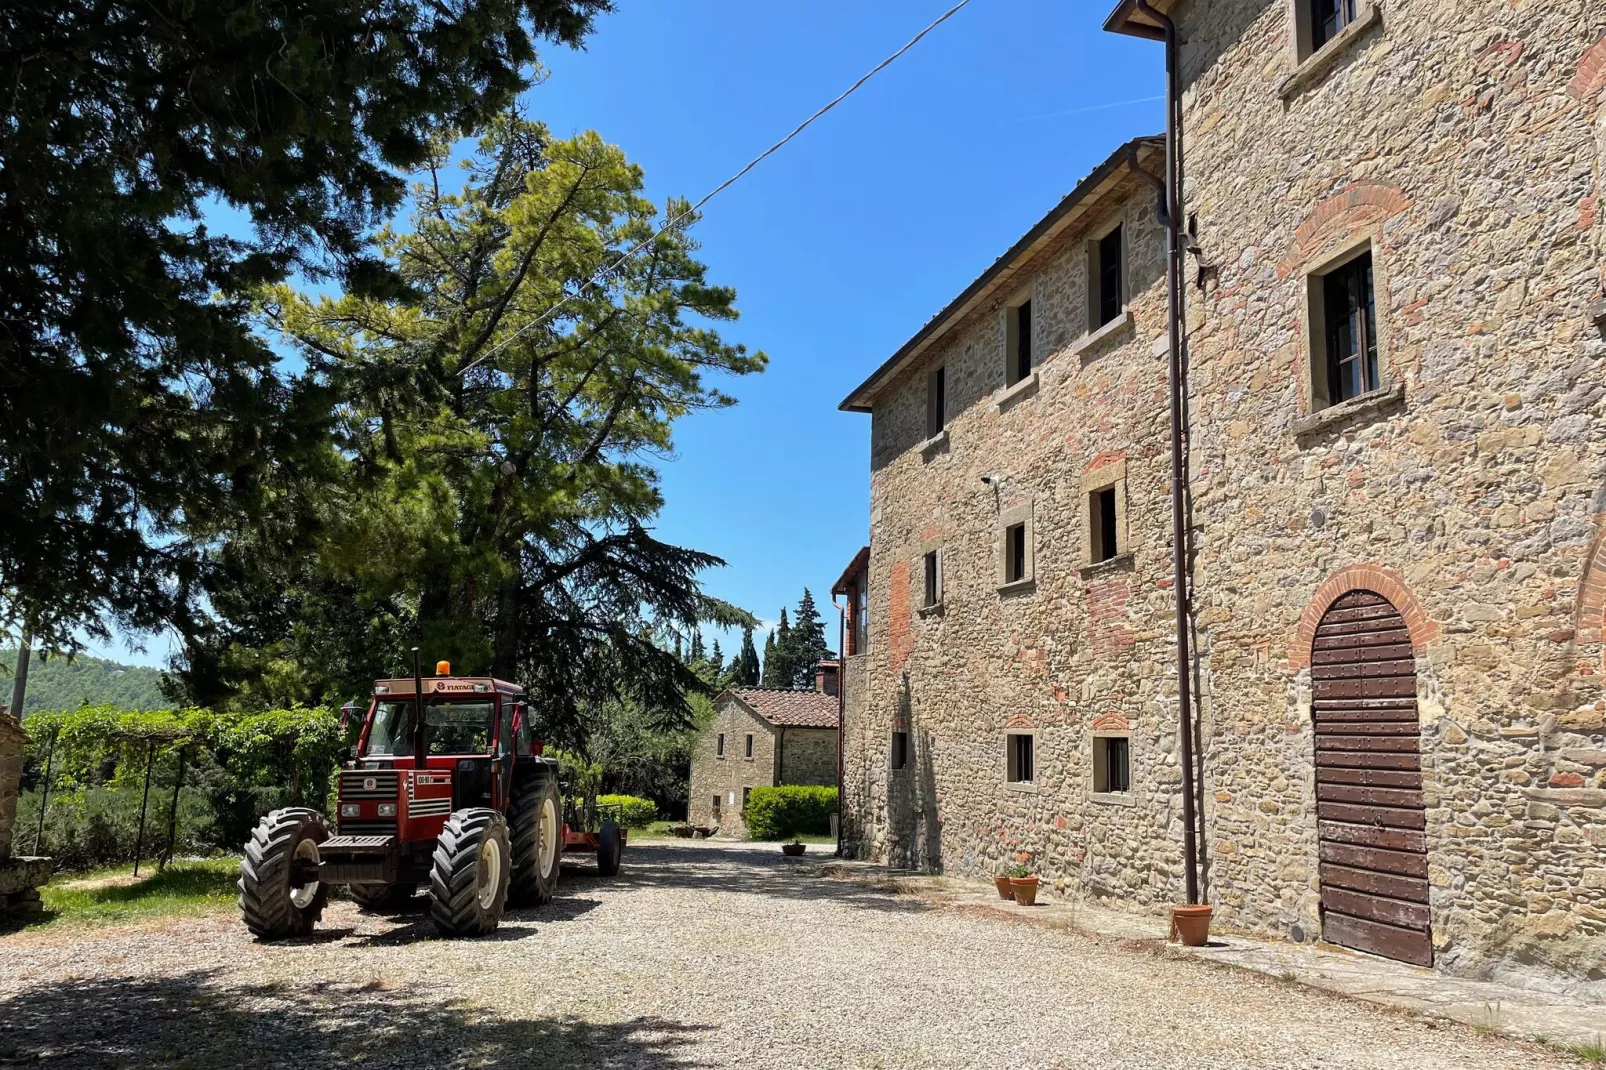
x=1371, y=816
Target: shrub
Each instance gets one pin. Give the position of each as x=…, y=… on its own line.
x=790, y=810
x=95, y=826
x=634, y=813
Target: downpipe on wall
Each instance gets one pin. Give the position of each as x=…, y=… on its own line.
x=841, y=708
x=1171, y=217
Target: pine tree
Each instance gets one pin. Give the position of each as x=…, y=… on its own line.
x=778, y=662
x=807, y=642
x=697, y=652
x=124, y=122
x=716, y=661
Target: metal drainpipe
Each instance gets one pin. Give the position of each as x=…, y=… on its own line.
x=1179, y=475
x=841, y=707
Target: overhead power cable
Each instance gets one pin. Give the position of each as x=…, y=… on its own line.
x=716, y=191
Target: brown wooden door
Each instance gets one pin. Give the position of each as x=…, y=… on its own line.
x=1370, y=812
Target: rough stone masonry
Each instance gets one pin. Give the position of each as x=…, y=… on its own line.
x=1462, y=147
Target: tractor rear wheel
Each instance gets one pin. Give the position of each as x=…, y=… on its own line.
x=280, y=894
x=610, y=849
x=382, y=898
x=469, y=879
x=535, y=823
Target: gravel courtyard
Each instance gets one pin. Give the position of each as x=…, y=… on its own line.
x=698, y=955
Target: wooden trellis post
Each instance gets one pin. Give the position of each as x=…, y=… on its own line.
x=172, y=810
x=151, y=738
x=144, y=801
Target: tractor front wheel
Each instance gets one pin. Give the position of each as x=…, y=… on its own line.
x=280, y=894
x=469, y=879
x=610, y=849
x=535, y=820
x=382, y=898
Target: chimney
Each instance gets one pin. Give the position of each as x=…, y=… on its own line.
x=825, y=676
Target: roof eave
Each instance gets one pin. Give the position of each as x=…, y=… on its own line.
x=1002, y=270
x=856, y=566
x=1126, y=19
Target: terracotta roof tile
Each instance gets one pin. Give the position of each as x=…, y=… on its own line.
x=792, y=709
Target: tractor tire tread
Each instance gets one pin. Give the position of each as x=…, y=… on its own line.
x=526, y=888
x=453, y=878
x=265, y=904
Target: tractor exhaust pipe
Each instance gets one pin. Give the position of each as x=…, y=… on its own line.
x=418, y=712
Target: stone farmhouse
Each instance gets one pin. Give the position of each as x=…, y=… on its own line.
x=763, y=737
x=1394, y=501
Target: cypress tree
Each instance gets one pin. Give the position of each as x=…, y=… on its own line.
x=769, y=658
x=744, y=667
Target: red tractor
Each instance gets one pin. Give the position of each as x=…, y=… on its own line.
x=447, y=790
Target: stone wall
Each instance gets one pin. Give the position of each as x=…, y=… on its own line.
x=728, y=776
x=1075, y=651
x=12, y=741
x=1464, y=145
x=808, y=756
x=1473, y=173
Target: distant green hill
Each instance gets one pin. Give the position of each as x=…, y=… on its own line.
x=58, y=684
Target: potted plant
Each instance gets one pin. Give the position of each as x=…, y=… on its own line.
x=1001, y=882
x=793, y=849
x=1024, y=885
x=1191, y=924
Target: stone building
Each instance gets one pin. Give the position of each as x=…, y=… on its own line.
x=1396, y=354
x=20, y=876
x=763, y=737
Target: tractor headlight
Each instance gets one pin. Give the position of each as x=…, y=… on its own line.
x=387, y=809
x=350, y=809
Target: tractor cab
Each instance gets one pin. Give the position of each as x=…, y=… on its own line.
x=473, y=729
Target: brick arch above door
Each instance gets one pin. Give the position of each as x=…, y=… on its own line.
x=1589, y=618
x=1364, y=577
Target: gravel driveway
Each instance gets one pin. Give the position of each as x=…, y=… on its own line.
x=697, y=955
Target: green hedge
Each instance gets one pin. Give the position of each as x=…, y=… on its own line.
x=790, y=810
x=634, y=813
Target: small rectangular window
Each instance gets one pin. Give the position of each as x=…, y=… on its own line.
x=716, y=808
x=1349, y=305
x=936, y=402
x=1018, y=343
x=1019, y=746
x=745, y=793
x=864, y=617
x=749, y=744
x=1102, y=522
x=1328, y=18
x=900, y=750
x=933, y=569
x=1015, y=553
x=1110, y=282
x=1112, y=764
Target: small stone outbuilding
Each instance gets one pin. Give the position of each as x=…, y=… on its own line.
x=763, y=737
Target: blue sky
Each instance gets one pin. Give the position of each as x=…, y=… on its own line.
x=842, y=244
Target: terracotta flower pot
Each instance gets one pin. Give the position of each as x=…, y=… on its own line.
x=1191, y=925
x=1005, y=891
x=1025, y=889
x=792, y=850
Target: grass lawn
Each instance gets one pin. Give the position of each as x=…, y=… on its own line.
x=111, y=895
